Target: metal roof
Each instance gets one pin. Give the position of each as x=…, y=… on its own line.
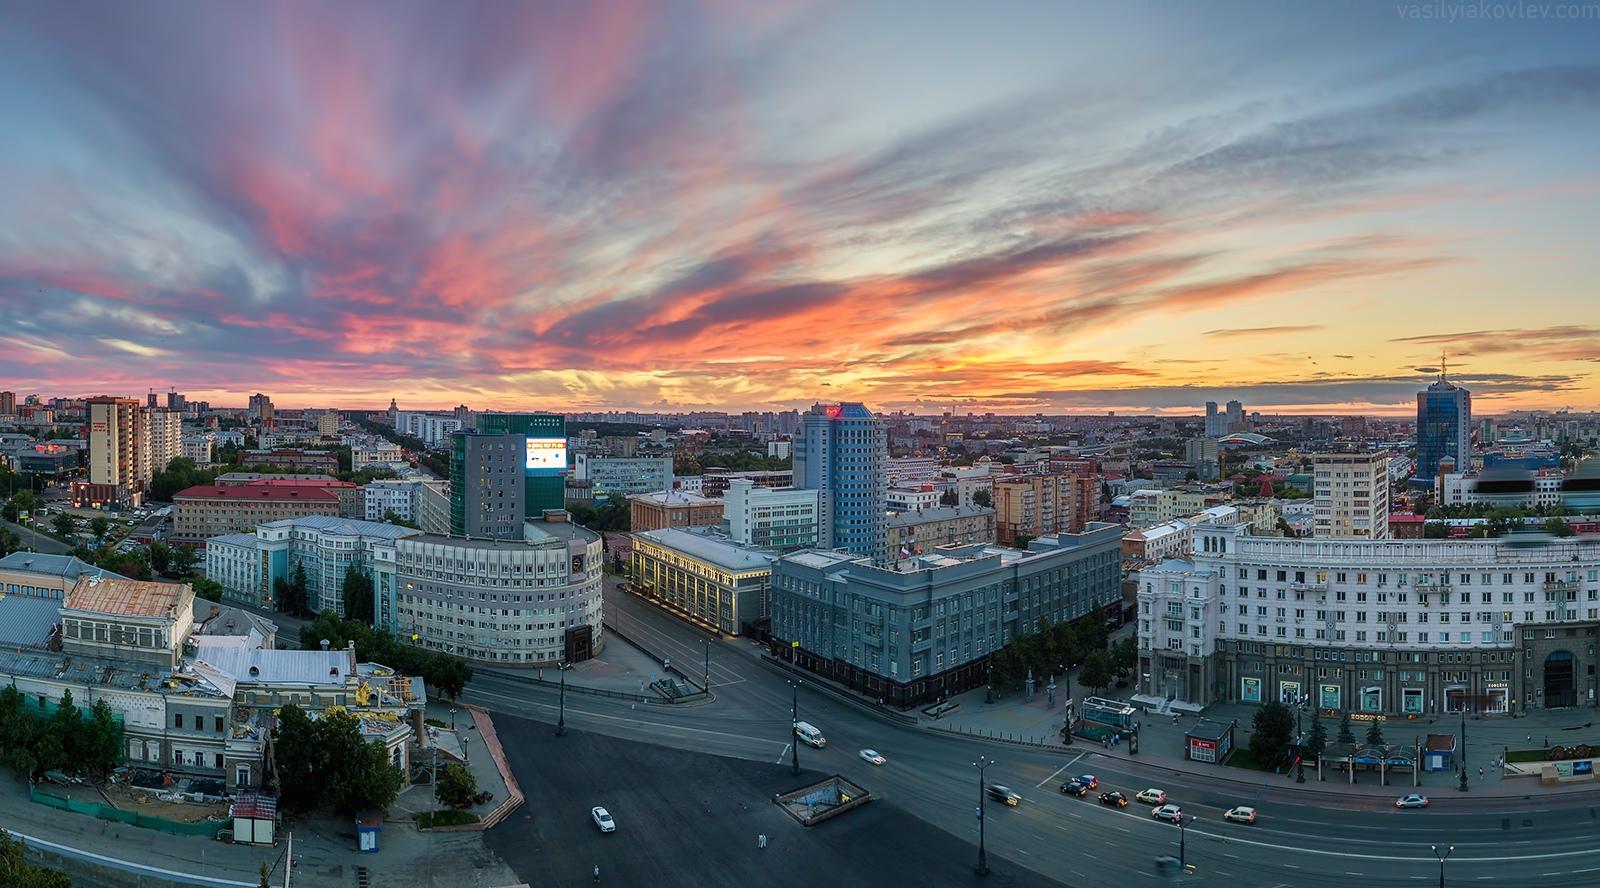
x=351, y=526
x=129, y=598
x=724, y=555
x=27, y=621
x=65, y=566
x=274, y=666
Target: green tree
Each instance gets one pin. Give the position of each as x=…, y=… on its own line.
x=1125, y=656
x=392, y=517
x=1557, y=527
x=66, y=723
x=183, y=560
x=99, y=526
x=17, y=872
x=950, y=498
x=9, y=541
x=1318, y=739
x=206, y=588
x=10, y=512
x=1375, y=732
x=1096, y=673
x=281, y=592
x=457, y=786
x=1435, y=530
x=160, y=557
x=265, y=873
x=983, y=498
x=1270, y=734
x=63, y=524
x=103, y=741
x=1021, y=541
x=358, y=593
x=299, y=600
x=299, y=759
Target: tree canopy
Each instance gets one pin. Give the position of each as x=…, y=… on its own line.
x=17, y=872
x=1271, y=732
x=325, y=763
x=446, y=674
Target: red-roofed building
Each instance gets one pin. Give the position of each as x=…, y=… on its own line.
x=352, y=501
x=209, y=510
x=1404, y=526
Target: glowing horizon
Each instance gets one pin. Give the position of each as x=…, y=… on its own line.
x=666, y=207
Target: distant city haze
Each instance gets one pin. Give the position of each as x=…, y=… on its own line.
x=1016, y=208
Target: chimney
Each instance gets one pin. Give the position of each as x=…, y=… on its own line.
x=325, y=644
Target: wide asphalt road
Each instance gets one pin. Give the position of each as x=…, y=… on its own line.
x=1304, y=838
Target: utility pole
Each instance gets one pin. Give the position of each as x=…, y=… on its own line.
x=561, y=723
x=982, y=764
x=706, y=686
x=1463, y=786
x=288, y=861
x=794, y=739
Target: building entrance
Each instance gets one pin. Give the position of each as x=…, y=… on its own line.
x=1559, y=687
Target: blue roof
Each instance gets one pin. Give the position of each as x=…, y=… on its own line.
x=65, y=566
x=27, y=621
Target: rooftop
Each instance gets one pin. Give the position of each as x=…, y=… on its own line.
x=128, y=598
x=257, y=666
x=675, y=498
x=253, y=492
x=348, y=526
x=299, y=482
x=940, y=513
x=27, y=621
x=724, y=555
x=228, y=478
x=64, y=566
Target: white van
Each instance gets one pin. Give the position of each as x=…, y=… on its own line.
x=809, y=734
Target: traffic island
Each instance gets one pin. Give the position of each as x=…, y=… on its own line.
x=829, y=798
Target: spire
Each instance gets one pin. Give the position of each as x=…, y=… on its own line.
x=1441, y=365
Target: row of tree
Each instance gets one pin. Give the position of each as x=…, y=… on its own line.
x=1059, y=647
x=1497, y=524
x=445, y=674
x=17, y=872
x=324, y=762
x=66, y=739
x=1272, y=735
x=611, y=515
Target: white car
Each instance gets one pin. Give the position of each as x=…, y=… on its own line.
x=1241, y=814
x=1170, y=813
x=872, y=757
x=1412, y=801
x=1153, y=796
x=602, y=819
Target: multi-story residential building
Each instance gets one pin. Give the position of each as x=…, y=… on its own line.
x=1202, y=453
x=352, y=503
x=714, y=482
x=620, y=476
x=1039, y=504
x=919, y=532
x=1149, y=507
x=328, y=424
x=487, y=488
x=911, y=633
x=1236, y=421
x=528, y=602
x=324, y=547
x=261, y=408
x=210, y=510
x=431, y=429
x=709, y=581
x=913, y=470
x=1410, y=627
x=165, y=441
x=775, y=518
x=1216, y=423
x=910, y=499
x=402, y=496
x=672, y=508
x=1175, y=538
x=435, y=503
x=1513, y=489
x=116, y=445
x=1444, y=428
x=842, y=452
x=8, y=403
x=292, y=458
x=199, y=448
x=377, y=454
x=1352, y=496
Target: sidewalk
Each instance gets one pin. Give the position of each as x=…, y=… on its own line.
x=1162, y=743
x=471, y=740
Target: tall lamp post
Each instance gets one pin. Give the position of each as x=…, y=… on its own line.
x=1183, y=827
x=1463, y=786
x=1299, y=734
x=982, y=764
x=794, y=739
x=706, y=686
x=1442, y=858
x=561, y=723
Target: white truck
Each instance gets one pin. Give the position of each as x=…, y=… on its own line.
x=809, y=734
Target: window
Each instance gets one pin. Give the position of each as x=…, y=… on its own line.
x=177, y=722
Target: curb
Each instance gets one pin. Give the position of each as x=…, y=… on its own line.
x=514, y=797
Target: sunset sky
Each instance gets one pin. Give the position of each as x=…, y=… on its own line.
x=1054, y=207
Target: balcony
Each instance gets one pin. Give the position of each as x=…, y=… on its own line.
x=1562, y=586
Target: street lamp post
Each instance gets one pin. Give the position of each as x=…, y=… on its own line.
x=561, y=722
x=1183, y=828
x=706, y=686
x=1463, y=786
x=1442, y=858
x=982, y=764
x=794, y=739
x=1299, y=736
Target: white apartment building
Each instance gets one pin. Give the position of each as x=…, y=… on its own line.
x=431, y=428
x=778, y=518
x=913, y=469
x=1539, y=490
x=401, y=496
x=199, y=448
x=908, y=499
x=376, y=454
x=1410, y=627
x=1147, y=508
x=1351, y=494
x=164, y=442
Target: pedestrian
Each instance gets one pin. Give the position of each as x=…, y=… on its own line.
x=1480, y=773
x=761, y=840
x=597, y=874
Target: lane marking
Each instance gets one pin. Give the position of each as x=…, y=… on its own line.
x=1053, y=774
x=666, y=727
x=782, y=754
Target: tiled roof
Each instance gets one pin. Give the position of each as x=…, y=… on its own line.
x=129, y=598
x=264, y=493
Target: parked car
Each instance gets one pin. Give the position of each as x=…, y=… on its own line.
x=872, y=757
x=1115, y=799
x=1152, y=796
x=1412, y=801
x=602, y=819
x=1169, y=813
x=1075, y=788
x=1089, y=780
x=1240, y=814
x=1004, y=794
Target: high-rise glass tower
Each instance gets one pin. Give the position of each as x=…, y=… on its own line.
x=843, y=452
x=524, y=451
x=1444, y=428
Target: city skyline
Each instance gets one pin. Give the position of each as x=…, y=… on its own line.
x=726, y=206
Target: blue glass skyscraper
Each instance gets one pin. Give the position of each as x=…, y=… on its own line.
x=842, y=452
x=1444, y=428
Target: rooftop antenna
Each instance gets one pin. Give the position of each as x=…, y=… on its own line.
x=1441, y=365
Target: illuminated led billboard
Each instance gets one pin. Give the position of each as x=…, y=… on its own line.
x=547, y=454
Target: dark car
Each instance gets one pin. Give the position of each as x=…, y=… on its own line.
x=1114, y=798
x=1004, y=794
x=1075, y=788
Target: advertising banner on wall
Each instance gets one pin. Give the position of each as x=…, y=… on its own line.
x=547, y=455
x=1250, y=690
